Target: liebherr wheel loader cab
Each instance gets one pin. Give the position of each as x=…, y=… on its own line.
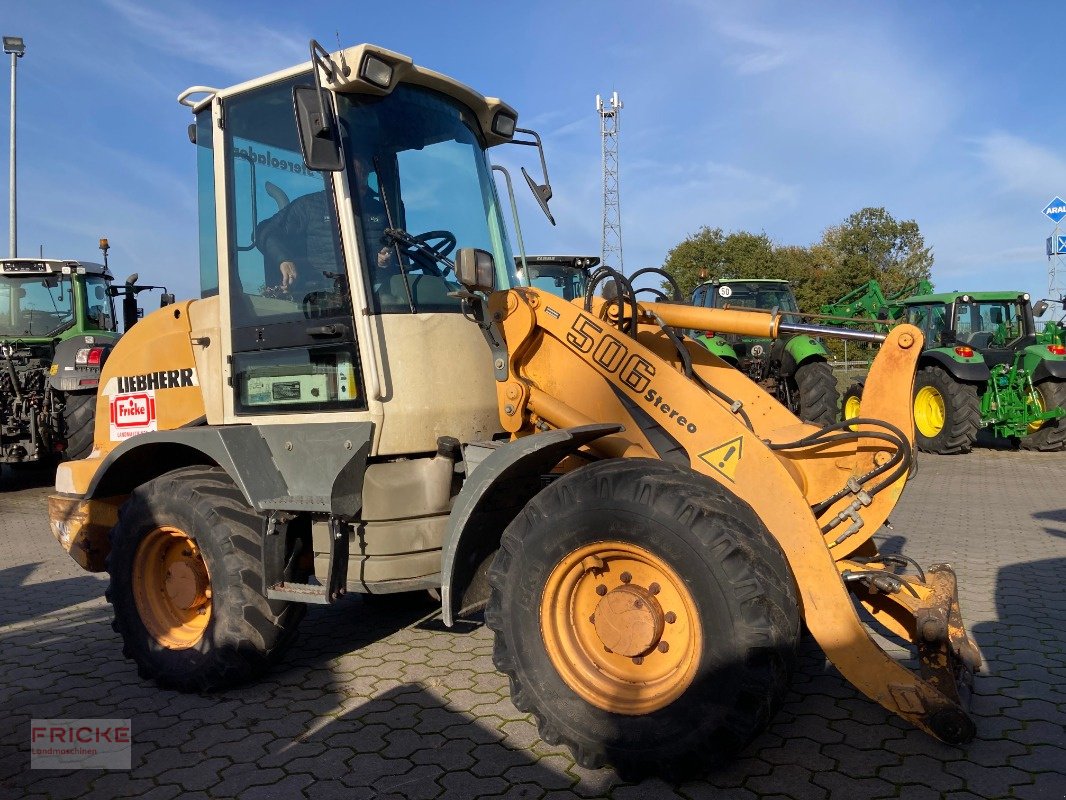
x=348, y=409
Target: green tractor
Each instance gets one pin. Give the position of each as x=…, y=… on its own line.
x=57, y=327
x=795, y=370
x=983, y=366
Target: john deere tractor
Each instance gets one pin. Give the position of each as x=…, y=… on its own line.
x=646, y=530
x=795, y=369
x=982, y=367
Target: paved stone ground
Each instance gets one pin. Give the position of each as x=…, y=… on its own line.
x=370, y=703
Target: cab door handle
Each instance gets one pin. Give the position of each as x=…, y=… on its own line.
x=327, y=331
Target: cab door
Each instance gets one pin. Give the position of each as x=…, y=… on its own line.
x=293, y=344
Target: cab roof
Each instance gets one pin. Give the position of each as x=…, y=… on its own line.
x=50, y=266
x=721, y=281
x=344, y=74
x=951, y=297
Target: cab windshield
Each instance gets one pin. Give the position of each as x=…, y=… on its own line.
x=35, y=305
x=989, y=324
x=765, y=296
x=417, y=164
x=565, y=281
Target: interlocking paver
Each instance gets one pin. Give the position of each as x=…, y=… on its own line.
x=373, y=703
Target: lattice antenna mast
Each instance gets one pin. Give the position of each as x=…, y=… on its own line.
x=611, y=248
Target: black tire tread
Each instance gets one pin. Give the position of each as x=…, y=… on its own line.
x=1051, y=436
x=79, y=423
x=771, y=609
x=962, y=411
x=254, y=631
x=818, y=398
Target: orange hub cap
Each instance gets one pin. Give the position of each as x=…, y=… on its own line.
x=172, y=588
x=620, y=627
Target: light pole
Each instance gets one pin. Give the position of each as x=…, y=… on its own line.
x=16, y=48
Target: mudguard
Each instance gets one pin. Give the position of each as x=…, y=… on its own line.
x=964, y=369
x=66, y=375
x=719, y=346
x=1042, y=364
x=799, y=350
x=492, y=496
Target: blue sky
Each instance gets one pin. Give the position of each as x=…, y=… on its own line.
x=775, y=117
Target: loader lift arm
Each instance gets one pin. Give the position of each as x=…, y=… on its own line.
x=568, y=367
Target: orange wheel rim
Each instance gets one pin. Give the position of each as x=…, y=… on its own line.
x=621, y=627
x=172, y=588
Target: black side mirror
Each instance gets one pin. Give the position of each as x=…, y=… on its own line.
x=476, y=269
x=1040, y=308
x=166, y=299
x=319, y=135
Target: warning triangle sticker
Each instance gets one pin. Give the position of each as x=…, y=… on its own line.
x=725, y=457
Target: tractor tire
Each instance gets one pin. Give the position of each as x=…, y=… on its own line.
x=851, y=401
x=687, y=656
x=814, y=388
x=79, y=422
x=177, y=536
x=1050, y=436
x=947, y=412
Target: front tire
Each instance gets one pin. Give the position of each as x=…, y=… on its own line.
x=947, y=413
x=186, y=584
x=1051, y=435
x=814, y=389
x=645, y=616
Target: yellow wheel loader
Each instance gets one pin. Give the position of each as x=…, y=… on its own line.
x=358, y=404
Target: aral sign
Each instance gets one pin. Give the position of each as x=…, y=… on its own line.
x=1056, y=209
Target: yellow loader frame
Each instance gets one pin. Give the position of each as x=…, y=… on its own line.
x=559, y=366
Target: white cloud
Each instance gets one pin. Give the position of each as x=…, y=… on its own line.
x=1017, y=165
x=236, y=45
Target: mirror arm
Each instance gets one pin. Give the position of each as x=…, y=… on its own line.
x=320, y=59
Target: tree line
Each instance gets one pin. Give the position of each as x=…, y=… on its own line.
x=869, y=244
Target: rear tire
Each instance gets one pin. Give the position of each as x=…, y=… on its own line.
x=730, y=676
x=79, y=422
x=850, y=403
x=172, y=644
x=814, y=388
x=1050, y=436
x=947, y=413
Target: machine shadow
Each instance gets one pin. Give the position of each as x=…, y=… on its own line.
x=28, y=477
x=21, y=601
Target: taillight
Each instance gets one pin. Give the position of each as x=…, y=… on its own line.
x=1057, y=349
x=96, y=356
x=709, y=334
x=964, y=352
x=89, y=382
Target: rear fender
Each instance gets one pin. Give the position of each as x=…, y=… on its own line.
x=66, y=375
x=973, y=369
x=801, y=349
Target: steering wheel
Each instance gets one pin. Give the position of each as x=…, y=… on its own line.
x=426, y=249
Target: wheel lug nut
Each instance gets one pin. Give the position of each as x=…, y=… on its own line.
x=654, y=588
x=670, y=617
x=625, y=577
x=638, y=660
x=601, y=590
x=663, y=647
